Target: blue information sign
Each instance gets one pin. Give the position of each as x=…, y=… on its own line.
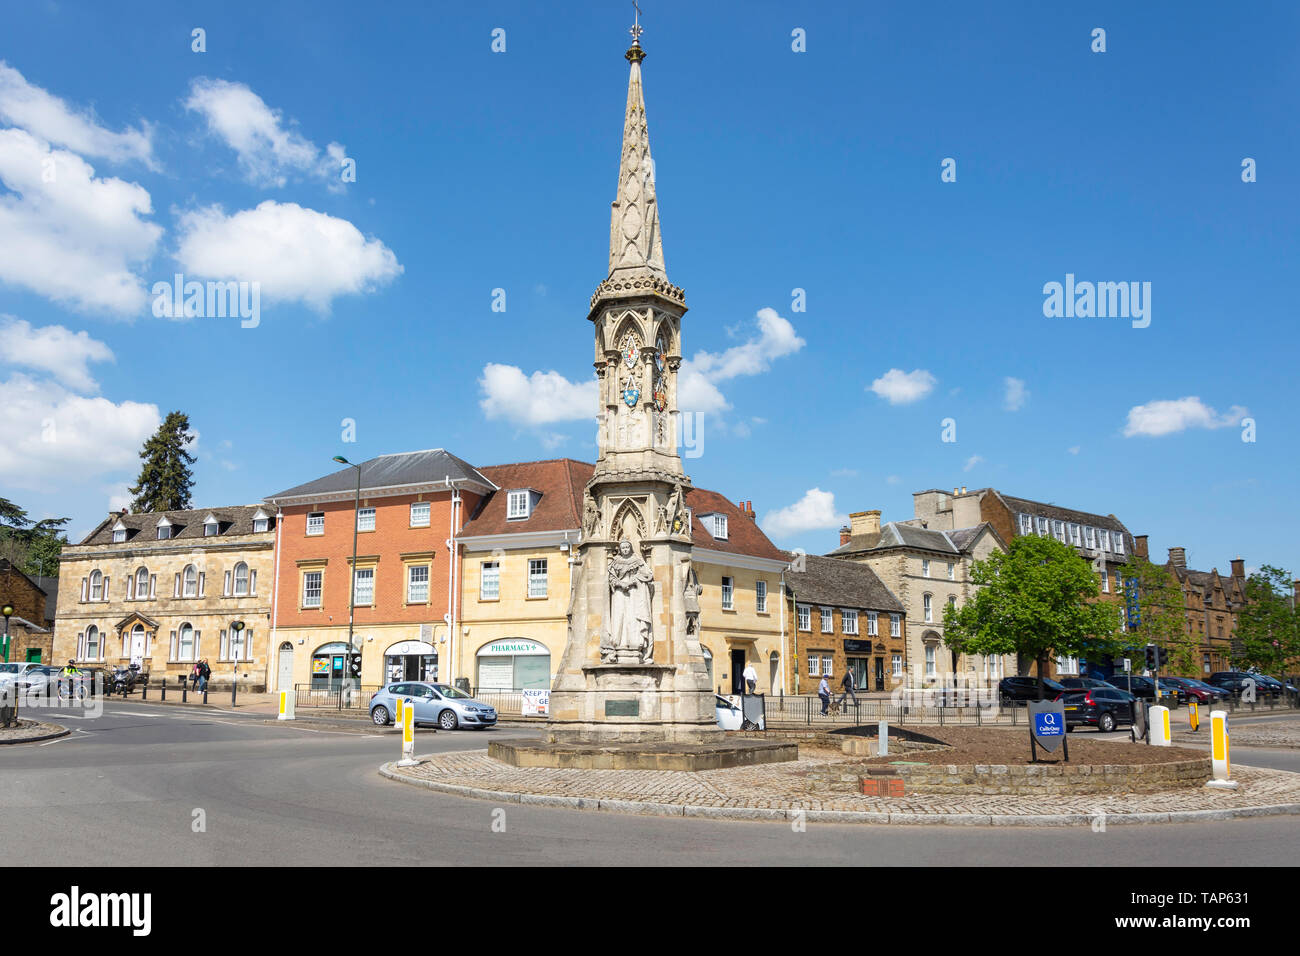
x=1049, y=724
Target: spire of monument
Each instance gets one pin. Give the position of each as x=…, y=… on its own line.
x=635, y=248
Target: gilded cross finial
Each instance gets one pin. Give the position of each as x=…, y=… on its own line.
x=636, y=30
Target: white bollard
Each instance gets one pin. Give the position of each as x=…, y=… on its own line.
x=408, y=738
x=882, y=735
x=1219, y=752
x=286, y=705
x=1160, y=733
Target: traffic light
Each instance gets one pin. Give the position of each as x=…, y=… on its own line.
x=1151, y=657
x=1162, y=658
x=354, y=665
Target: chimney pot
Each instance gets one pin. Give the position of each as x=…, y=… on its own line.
x=963, y=489
x=845, y=535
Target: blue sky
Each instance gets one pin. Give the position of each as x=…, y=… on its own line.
x=776, y=170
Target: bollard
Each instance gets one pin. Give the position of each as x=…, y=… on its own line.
x=234, y=688
x=408, y=738
x=164, y=687
x=1194, y=716
x=1159, y=718
x=286, y=705
x=185, y=691
x=205, y=693
x=1219, y=752
x=882, y=736
x=401, y=709
x=144, y=690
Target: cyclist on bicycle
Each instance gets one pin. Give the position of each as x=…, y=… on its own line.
x=68, y=678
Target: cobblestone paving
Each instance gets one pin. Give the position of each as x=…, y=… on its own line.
x=779, y=786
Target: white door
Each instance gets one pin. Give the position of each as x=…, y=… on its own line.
x=137, y=645
x=284, y=679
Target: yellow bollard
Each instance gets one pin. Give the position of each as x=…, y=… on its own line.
x=1194, y=716
x=287, y=699
x=1219, y=748
x=397, y=718
x=1160, y=736
x=408, y=738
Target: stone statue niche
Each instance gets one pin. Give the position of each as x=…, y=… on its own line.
x=629, y=635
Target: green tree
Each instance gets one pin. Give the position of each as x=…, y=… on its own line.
x=1035, y=600
x=1268, y=631
x=165, y=478
x=1161, y=615
x=32, y=546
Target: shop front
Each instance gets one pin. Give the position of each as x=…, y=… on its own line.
x=411, y=660
x=327, y=663
x=867, y=662
x=513, y=664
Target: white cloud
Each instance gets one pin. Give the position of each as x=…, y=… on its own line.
x=971, y=462
x=65, y=234
x=1073, y=449
x=538, y=399
x=268, y=151
x=902, y=388
x=893, y=480
x=52, y=120
x=119, y=496
x=296, y=254
x=1167, y=416
x=55, y=438
x=1016, y=394
x=697, y=381
x=815, y=510
x=54, y=349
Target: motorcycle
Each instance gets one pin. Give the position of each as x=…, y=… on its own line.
x=123, y=680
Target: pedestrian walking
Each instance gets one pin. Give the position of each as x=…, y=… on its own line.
x=194, y=676
x=751, y=677
x=204, y=673
x=824, y=692
x=849, y=684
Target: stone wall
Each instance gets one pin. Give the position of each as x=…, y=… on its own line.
x=1028, y=780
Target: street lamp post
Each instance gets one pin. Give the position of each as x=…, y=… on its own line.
x=352, y=590
x=236, y=645
x=7, y=611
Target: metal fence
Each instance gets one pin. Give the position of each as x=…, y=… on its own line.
x=345, y=697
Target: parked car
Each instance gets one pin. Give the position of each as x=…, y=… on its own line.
x=1194, y=690
x=439, y=704
x=1083, y=683
x=1021, y=690
x=1273, y=685
x=16, y=669
x=1235, y=681
x=731, y=717
x=1102, y=707
x=35, y=682
x=1144, y=688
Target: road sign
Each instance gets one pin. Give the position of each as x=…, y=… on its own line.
x=1047, y=725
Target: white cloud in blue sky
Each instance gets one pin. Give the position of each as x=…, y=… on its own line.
x=902, y=388
x=1169, y=416
x=1014, y=394
x=815, y=511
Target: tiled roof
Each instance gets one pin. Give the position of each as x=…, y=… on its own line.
x=388, y=471
x=560, y=483
x=839, y=583
x=904, y=534
x=1056, y=513
x=234, y=520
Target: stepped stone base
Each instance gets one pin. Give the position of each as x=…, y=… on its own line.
x=645, y=756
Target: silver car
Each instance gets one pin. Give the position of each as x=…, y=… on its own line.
x=439, y=704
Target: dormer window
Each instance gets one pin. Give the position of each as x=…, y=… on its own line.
x=518, y=504
x=1026, y=524
x=1042, y=527
x=261, y=521
x=716, y=525
x=164, y=529
x=211, y=526
x=119, y=533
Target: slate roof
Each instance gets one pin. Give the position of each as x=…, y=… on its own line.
x=560, y=483
x=1056, y=513
x=902, y=534
x=388, y=471
x=50, y=585
x=839, y=583
x=234, y=520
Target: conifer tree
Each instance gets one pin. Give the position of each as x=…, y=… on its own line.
x=165, y=478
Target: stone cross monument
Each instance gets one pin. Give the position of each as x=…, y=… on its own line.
x=633, y=670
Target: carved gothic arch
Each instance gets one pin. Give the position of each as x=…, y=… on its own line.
x=629, y=522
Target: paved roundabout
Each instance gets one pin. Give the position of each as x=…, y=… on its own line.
x=781, y=792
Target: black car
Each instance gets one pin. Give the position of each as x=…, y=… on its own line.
x=1021, y=690
x=1101, y=707
x=1235, y=682
x=1084, y=683
x=1144, y=688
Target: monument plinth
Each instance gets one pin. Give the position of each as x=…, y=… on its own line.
x=633, y=673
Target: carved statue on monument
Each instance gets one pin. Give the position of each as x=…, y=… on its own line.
x=691, y=598
x=629, y=636
x=591, y=517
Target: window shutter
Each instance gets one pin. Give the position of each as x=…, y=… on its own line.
x=81, y=645
x=197, y=637
x=171, y=651
x=178, y=586
x=130, y=587
x=226, y=587
x=153, y=585
x=202, y=575
x=252, y=582
x=224, y=652
x=248, y=644
x=105, y=595
x=85, y=588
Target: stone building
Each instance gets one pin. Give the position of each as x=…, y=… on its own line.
x=163, y=589
x=1101, y=539
x=927, y=568
x=412, y=506
x=843, y=617
x=1211, y=603
x=31, y=626
x=517, y=553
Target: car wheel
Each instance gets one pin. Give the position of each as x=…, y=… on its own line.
x=380, y=715
x=1106, y=723
x=447, y=720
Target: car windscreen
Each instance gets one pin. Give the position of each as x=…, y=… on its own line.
x=451, y=692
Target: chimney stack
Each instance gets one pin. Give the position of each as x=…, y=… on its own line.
x=963, y=489
x=1238, y=567
x=954, y=492
x=749, y=505
x=1178, y=558
x=1140, y=545
x=845, y=535
x=865, y=522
